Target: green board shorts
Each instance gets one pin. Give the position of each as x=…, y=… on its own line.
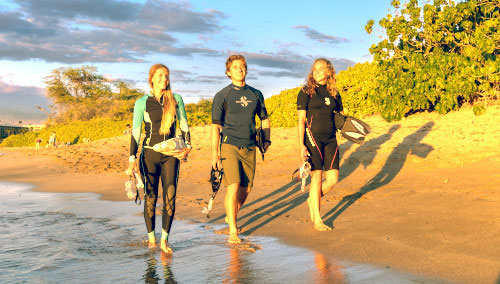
x=238, y=164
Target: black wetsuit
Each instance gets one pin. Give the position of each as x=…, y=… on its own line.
x=155, y=165
x=234, y=108
x=319, y=136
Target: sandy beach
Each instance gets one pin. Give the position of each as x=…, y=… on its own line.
x=422, y=195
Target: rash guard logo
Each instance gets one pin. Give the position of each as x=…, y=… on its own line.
x=243, y=101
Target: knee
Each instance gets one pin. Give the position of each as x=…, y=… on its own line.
x=316, y=176
x=331, y=181
x=149, y=207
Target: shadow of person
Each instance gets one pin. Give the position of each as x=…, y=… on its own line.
x=274, y=209
x=258, y=200
x=395, y=161
x=365, y=154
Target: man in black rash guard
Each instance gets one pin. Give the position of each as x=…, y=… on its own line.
x=316, y=103
x=233, y=113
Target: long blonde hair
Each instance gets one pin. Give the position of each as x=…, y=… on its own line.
x=331, y=82
x=169, y=102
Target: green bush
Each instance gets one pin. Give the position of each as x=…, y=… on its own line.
x=282, y=108
x=199, y=113
x=73, y=132
x=357, y=86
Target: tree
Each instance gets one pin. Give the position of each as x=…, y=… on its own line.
x=83, y=94
x=437, y=56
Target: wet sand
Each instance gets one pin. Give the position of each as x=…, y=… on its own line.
x=421, y=195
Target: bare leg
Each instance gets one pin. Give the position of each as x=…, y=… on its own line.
x=314, y=201
x=241, y=195
x=231, y=204
x=332, y=177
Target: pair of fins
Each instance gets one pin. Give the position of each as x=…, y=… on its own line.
x=351, y=128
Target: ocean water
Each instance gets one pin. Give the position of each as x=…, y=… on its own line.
x=76, y=238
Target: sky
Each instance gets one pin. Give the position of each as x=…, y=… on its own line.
x=280, y=40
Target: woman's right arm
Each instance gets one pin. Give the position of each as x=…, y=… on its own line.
x=302, y=105
x=302, y=131
x=139, y=108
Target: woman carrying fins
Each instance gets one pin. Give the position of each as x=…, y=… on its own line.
x=159, y=110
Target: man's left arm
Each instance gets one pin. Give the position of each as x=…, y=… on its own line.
x=265, y=122
x=266, y=127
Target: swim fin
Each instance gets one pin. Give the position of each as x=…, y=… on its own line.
x=351, y=128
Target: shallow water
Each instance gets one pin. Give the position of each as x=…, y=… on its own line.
x=76, y=238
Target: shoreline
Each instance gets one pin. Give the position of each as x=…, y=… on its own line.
x=406, y=200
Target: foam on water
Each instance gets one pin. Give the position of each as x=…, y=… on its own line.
x=76, y=238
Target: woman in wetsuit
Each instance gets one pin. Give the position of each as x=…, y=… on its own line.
x=316, y=103
x=159, y=110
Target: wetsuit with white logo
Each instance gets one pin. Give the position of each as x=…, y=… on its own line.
x=154, y=165
x=319, y=136
x=234, y=108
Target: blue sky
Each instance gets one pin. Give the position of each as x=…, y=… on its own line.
x=280, y=39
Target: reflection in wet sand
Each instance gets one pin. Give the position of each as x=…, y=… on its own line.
x=328, y=272
x=166, y=262
x=151, y=276
x=235, y=273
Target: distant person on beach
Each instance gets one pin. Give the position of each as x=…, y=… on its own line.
x=233, y=113
x=159, y=110
x=316, y=103
x=37, y=143
x=128, y=129
x=52, y=140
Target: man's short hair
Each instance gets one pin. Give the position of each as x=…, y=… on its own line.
x=232, y=58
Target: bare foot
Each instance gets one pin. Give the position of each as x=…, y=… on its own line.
x=234, y=239
x=320, y=226
x=225, y=231
x=151, y=244
x=310, y=210
x=165, y=248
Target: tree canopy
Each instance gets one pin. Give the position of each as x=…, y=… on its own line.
x=83, y=94
x=436, y=56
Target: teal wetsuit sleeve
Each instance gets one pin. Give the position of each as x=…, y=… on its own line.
x=182, y=117
x=181, y=113
x=139, y=109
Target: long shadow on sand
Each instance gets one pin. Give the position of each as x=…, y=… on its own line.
x=261, y=199
x=365, y=154
x=279, y=206
x=393, y=165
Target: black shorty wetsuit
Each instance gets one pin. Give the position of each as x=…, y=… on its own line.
x=319, y=136
x=154, y=165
